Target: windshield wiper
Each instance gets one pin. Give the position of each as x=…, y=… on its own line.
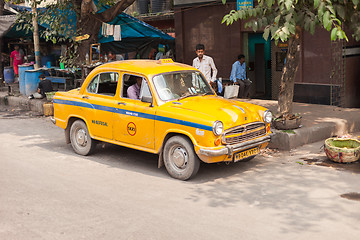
x=207, y=93
x=189, y=95
x=193, y=95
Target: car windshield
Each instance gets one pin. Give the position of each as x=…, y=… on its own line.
x=178, y=85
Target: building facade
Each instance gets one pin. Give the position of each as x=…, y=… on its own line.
x=328, y=72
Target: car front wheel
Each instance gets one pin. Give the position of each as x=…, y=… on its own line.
x=80, y=138
x=180, y=159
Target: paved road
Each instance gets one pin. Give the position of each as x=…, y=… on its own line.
x=49, y=192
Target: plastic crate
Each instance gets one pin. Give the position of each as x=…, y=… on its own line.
x=50, y=95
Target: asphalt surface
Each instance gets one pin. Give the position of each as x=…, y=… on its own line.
x=49, y=192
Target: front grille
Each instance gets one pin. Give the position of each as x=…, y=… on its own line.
x=244, y=133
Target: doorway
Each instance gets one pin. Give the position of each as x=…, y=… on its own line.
x=259, y=59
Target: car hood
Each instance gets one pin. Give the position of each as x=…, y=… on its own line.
x=230, y=112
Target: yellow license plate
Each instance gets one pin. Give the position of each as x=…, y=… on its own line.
x=245, y=154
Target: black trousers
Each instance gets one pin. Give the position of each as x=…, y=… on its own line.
x=244, y=87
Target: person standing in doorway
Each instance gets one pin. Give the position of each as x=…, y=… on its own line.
x=238, y=76
x=16, y=59
x=205, y=64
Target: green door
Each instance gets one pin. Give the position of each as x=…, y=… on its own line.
x=260, y=63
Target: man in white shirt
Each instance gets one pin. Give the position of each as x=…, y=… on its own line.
x=205, y=64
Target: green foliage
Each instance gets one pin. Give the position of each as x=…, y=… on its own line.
x=70, y=57
x=15, y=1
x=279, y=18
x=58, y=31
x=289, y=131
x=54, y=17
x=135, y=14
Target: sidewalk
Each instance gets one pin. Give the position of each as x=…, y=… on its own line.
x=318, y=123
x=23, y=102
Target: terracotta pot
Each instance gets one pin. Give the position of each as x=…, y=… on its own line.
x=287, y=124
x=342, y=150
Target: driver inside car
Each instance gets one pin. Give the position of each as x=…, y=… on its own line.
x=133, y=92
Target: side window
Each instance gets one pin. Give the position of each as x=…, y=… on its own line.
x=93, y=86
x=133, y=87
x=104, y=83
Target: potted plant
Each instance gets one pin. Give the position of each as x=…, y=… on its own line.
x=292, y=121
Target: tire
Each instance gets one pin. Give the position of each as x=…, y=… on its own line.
x=180, y=159
x=80, y=138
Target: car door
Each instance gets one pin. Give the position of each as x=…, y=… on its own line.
x=134, y=120
x=100, y=94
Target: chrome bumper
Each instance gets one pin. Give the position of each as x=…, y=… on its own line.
x=52, y=119
x=230, y=149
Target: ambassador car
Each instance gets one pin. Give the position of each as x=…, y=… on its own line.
x=176, y=115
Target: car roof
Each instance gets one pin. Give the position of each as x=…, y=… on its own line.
x=146, y=67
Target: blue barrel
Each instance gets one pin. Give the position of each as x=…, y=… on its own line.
x=32, y=81
x=22, y=69
x=8, y=74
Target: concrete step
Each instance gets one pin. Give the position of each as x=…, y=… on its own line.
x=23, y=102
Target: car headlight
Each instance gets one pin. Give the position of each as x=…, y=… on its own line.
x=218, y=128
x=267, y=116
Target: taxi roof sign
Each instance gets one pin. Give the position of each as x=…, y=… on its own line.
x=166, y=60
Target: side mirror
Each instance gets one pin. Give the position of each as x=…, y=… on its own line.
x=147, y=99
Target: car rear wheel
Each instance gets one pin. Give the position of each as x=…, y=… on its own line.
x=80, y=138
x=180, y=159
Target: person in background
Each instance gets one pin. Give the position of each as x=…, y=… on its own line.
x=205, y=64
x=111, y=57
x=119, y=57
x=152, y=53
x=16, y=59
x=44, y=87
x=133, y=91
x=161, y=52
x=238, y=76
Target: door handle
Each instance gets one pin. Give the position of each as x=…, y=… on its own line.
x=121, y=103
x=87, y=97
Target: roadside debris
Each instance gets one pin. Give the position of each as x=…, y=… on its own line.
x=267, y=152
x=6, y=113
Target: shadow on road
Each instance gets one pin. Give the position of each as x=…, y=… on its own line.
x=298, y=195
x=40, y=132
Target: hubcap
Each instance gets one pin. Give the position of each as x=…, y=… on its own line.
x=179, y=157
x=81, y=137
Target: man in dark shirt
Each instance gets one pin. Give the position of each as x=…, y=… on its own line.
x=44, y=87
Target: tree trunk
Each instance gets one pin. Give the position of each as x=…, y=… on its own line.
x=286, y=94
x=36, y=35
x=90, y=23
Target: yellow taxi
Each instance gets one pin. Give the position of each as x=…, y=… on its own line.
x=161, y=107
